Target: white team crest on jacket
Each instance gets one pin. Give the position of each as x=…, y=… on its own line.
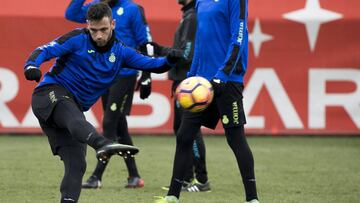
x=113, y=107
x=120, y=11
x=112, y=58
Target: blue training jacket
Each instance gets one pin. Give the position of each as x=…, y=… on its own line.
x=86, y=70
x=131, y=26
x=221, y=44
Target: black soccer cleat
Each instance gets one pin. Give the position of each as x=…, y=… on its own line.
x=104, y=153
x=92, y=183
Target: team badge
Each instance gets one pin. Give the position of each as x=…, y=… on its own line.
x=225, y=120
x=113, y=107
x=120, y=11
x=112, y=58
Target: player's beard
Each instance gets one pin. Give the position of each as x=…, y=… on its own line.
x=101, y=43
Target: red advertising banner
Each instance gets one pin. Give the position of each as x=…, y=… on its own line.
x=303, y=75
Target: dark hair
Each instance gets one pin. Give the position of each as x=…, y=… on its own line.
x=98, y=11
x=111, y=3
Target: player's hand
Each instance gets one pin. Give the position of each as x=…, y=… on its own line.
x=158, y=49
x=32, y=73
x=144, y=84
x=174, y=55
x=217, y=86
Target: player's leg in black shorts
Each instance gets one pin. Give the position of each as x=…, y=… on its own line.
x=68, y=132
x=72, y=153
x=230, y=106
x=117, y=105
x=190, y=126
x=198, y=162
x=53, y=103
x=60, y=119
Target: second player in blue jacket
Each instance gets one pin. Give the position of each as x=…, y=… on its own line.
x=221, y=55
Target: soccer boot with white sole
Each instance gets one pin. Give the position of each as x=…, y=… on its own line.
x=253, y=201
x=196, y=186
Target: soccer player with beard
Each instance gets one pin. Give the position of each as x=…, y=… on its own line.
x=132, y=29
x=88, y=62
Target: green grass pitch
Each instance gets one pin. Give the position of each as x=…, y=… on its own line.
x=288, y=170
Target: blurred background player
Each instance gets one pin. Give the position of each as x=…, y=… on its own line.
x=221, y=55
x=132, y=29
x=88, y=61
x=184, y=40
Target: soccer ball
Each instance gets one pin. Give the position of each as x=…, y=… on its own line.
x=194, y=94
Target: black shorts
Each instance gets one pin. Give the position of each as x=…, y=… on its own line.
x=59, y=137
x=120, y=95
x=45, y=98
x=44, y=101
x=228, y=106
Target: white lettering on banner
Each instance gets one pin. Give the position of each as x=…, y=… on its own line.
x=91, y=118
x=161, y=111
x=30, y=121
x=9, y=87
x=319, y=99
x=154, y=77
x=162, y=76
x=267, y=77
